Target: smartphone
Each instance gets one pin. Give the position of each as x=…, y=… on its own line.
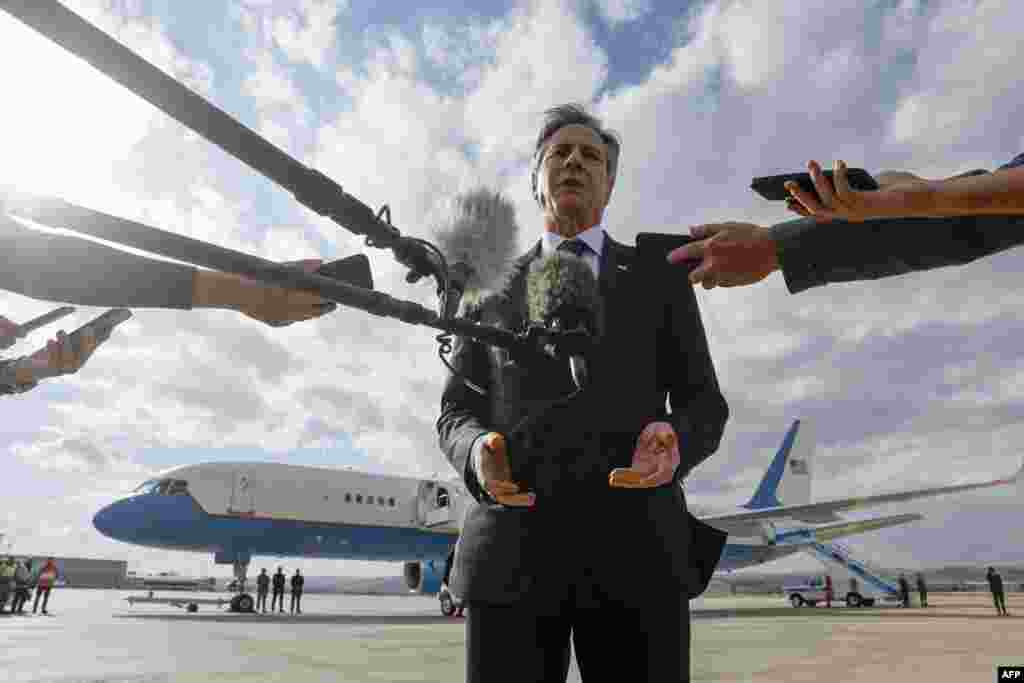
x=101, y=326
x=353, y=270
x=773, y=187
x=45, y=319
x=652, y=249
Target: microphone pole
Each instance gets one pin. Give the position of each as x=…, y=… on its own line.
x=311, y=187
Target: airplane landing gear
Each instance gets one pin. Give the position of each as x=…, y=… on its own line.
x=242, y=602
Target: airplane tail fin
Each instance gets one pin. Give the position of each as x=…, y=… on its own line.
x=788, y=478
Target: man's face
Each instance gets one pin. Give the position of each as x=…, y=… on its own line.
x=574, y=174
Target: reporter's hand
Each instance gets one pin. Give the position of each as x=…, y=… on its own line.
x=730, y=254
x=496, y=474
x=840, y=201
x=59, y=354
x=10, y=333
x=655, y=459
x=278, y=306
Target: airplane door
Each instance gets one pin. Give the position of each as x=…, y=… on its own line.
x=434, y=503
x=242, y=499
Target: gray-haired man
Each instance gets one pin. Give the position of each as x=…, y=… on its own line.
x=549, y=548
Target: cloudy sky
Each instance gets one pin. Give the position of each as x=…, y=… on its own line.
x=909, y=382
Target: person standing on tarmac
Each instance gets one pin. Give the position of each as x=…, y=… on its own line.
x=297, y=582
x=828, y=591
x=47, y=577
x=262, y=588
x=24, y=581
x=7, y=587
x=995, y=584
x=904, y=592
x=922, y=589
x=278, y=596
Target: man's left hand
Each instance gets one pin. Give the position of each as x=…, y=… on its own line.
x=655, y=459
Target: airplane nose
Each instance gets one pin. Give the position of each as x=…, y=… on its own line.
x=104, y=521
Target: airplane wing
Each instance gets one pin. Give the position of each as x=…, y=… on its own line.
x=749, y=523
x=830, y=532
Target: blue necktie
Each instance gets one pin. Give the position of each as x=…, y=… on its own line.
x=574, y=247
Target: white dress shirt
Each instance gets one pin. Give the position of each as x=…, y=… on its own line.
x=593, y=237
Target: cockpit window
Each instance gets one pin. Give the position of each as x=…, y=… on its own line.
x=163, y=487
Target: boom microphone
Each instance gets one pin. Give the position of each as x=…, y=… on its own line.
x=477, y=233
x=562, y=295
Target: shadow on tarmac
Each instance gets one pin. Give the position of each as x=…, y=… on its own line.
x=367, y=619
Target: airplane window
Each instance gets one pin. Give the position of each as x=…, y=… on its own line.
x=359, y=498
x=380, y=500
x=442, y=498
x=146, y=486
x=178, y=488
x=348, y=497
x=391, y=502
x=163, y=487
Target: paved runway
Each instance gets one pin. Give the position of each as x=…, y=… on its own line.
x=96, y=636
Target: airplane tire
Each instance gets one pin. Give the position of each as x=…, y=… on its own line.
x=796, y=600
x=246, y=603
x=447, y=604
x=192, y=607
x=854, y=600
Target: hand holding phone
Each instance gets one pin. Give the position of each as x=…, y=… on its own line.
x=72, y=350
x=773, y=187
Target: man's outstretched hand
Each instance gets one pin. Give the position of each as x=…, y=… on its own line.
x=730, y=254
x=655, y=459
x=496, y=474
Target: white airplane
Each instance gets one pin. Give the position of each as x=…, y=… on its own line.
x=237, y=510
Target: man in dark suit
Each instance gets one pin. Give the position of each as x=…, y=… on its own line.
x=298, y=581
x=985, y=218
x=262, y=588
x=277, y=597
x=549, y=547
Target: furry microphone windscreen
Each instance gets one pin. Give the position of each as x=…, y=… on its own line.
x=563, y=286
x=478, y=228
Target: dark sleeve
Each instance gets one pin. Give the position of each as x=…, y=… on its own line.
x=465, y=414
x=69, y=269
x=699, y=410
x=812, y=254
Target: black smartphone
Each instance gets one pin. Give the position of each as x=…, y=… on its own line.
x=773, y=187
x=101, y=326
x=652, y=249
x=353, y=270
x=45, y=319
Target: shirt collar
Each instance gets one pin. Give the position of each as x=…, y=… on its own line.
x=593, y=237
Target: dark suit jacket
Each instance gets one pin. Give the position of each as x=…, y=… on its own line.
x=812, y=254
x=632, y=545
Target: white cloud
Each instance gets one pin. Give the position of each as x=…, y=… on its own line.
x=911, y=381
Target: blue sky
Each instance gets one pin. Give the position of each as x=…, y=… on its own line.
x=913, y=381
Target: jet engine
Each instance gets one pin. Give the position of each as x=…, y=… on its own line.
x=424, y=577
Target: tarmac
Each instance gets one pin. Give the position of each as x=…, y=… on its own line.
x=94, y=636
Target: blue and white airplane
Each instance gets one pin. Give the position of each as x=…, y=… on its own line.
x=237, y=510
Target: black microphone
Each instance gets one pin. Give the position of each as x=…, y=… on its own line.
x=477, y=233
x=562, y=295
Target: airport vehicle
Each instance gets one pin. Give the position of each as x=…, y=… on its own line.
x=237, y=510
x=812, y=591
